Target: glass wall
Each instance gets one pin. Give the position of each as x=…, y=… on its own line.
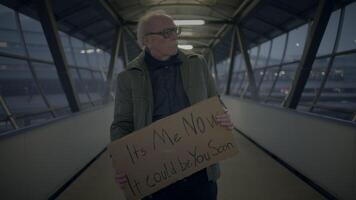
x=30, y=89
x=331, y=87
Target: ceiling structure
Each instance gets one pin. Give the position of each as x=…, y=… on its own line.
x=95, y=21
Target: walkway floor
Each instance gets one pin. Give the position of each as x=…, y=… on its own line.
x=252, y=175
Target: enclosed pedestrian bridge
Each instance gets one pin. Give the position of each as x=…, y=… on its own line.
x=286, y=71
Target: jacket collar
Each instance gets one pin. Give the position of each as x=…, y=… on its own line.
x=139, y=62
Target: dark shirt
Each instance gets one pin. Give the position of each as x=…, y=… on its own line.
x=169, y=96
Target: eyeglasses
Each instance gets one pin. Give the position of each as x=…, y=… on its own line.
x=166, y=33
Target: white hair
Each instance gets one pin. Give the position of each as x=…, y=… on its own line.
x=143, y=22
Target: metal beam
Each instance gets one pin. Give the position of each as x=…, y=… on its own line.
x=314, y=38
x=8, y=113
x=117, y=18
x=246, y=57
x=270, y=24
x=214, y=65
x=85, y=25
x=196, y=38
x=32, y=70
x=232, y=60
x=50, y=29
x=280, y=65
x=260, y=35
x=331, y=61
x=243, y=10
x=73, y=10
x=286, y=9
x=213, y=8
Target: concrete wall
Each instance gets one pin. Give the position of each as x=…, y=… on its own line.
x=324, y=150
x=36, y=162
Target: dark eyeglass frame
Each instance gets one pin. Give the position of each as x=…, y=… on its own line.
x=166, y=33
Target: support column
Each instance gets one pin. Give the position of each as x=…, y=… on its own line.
x=246, y=57
x=50, y=29
x=232, y=60
x=314, y=38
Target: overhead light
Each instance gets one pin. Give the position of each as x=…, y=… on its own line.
x=186, y=33
x=87, y=51
x=189, y=22
x=186, y=47
x=3, y=44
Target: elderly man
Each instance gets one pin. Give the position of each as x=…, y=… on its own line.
x=161, y=81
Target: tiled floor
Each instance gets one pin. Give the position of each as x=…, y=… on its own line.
x=252, y=175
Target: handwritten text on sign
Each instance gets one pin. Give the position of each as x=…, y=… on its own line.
x=172, y=148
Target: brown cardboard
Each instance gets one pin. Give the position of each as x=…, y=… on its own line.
x=172, y=148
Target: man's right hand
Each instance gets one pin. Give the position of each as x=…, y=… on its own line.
x=120, y=179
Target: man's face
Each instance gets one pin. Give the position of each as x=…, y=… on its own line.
x=161, y=45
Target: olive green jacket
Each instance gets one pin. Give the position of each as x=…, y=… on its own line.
x=134, y=98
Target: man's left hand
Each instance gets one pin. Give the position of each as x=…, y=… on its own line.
x=225, y=121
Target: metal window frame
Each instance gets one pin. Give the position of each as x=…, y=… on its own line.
x=49, y=26
x=31, y=67
x=245, y=55
x=280, y=66
x=331, y=61
x=313, y=40
x=8, y=113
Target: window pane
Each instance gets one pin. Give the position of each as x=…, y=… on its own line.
x=241, y=77
x=284, y=82
x=79, y=52
x=67, y=48
x=277, y=50
x=91, y=53
x=328, y=41
x=326, y=111
x=296, y=41
x=101, y=59
x=262, y=58
x=33, y=119
x=238, y=63
x=340, y=88
x=258, y=73
x=5, y=124
x=236, y=82
x=222, y=69
x=106, y=60
x=89, y=83
x=253, y=56
x=19, y=89
x=98, y=88
x=243, y=87
x=313, y=84
x=119, y=66
x=10, y=40
x=79, y=87
x=268, y=77
x=35, y=40
x=348, y=33
x=48, y=78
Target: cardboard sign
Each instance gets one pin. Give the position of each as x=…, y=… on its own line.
x=172, y=148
